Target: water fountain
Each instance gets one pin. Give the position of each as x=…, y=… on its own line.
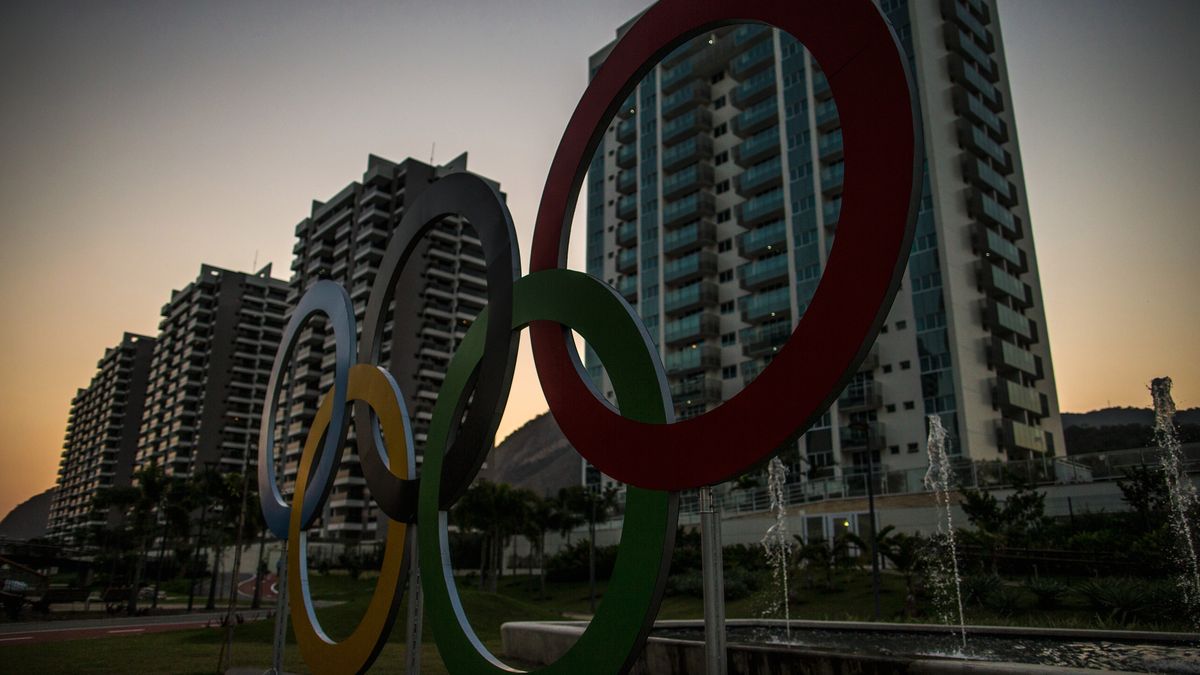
x=947, y=583
x=1182, y=491
x=775, y=540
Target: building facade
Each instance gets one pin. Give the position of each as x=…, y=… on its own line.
x=443, y=289
x=713, y=204
x=101, y=438
x=216, y=343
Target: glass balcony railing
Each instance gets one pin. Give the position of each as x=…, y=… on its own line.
x=694, y=177
x=694, y=265
x=827, y=114
x=758, y=147
x=978, y=141
x=754, y=89
x=830, y=144
x=752, y=60
x=996, y=245
x=760, y=208
x=676, y=76
x=748, y=34
x=692, y=328
x=627, y=182
x=967, y=74
x=627, y=130
x=696, y=390
x=628, y=287
x=764, y=306
x=976, y=108
x=767, y=239
x=627, y=156
x=764, y=339
x=627, y=260
x=761, y=272
x=832, y=177
x=999, y=280
x=688, y=151
x=967, y=46
x=1008, y=320
x=695, y=205
x=692, y=122
x=861, y=395
x=695, y=234
x=993, y=213
x=627, y=207
x=1006, y=355
x=1020, y=435
x=755, y=118
x=759, y=176
x=987, y=177
x=831, y=211
x=692, y=296
x=820, y=85
x=690, y=94
x=1015, y=395
x=964, y=18
x=693, y=358
x=627, y=234
x=862, y=436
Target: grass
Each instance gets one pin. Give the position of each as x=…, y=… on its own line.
x=517, y=599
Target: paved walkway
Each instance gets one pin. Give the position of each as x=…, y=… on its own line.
x=29, y=632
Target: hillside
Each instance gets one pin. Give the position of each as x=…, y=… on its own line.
x=1111, y=417
x=28, y=519
x=537, y=456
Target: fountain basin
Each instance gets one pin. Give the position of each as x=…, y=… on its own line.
x=834, y=647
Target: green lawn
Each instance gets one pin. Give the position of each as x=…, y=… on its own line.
x=196, y=651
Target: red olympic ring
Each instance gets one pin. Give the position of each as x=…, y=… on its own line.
x=868, y=74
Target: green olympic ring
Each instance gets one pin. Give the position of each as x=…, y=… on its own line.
x=625, y=616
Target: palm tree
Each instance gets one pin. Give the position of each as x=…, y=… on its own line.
x=539, y=518
x=593, y=506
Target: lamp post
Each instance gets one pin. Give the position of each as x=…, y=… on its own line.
x=865, y=428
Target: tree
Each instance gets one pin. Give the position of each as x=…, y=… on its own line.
x=593, y=506
x=539, y=518
x=998, y=525
x=497, y=511
x=1145, y=490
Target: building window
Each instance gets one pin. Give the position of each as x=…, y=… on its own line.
x=718, y=77
x=729, y=372
x=724, y=245
x=891, y=407
x=720, y=130
x=718, y=103
x=887, y=368
x=724, y=216
x=895, y=449
x=901, y=325
x=723, y=187
x=912, y=448
x=905, y=365
x=727, y=307
x=728, y=339
x=725, y=276
x=909, y=405
x=720, y=158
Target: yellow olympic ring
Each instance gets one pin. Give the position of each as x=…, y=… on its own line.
x=374, y=386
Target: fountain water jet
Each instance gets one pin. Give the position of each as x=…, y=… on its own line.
x=945, y=565
x=775, y=541
x=1182, y=491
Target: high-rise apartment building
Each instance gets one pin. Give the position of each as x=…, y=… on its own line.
x=443, y=289
x=713, y=204
x=101, y=439
x=216, y=344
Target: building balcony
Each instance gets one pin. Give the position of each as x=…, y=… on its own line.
x=627, y=156
x=980, y=174
x=764, y=307
x=694, y=296
x=754, y=89
x=820, y=85
x=827, y=115
x=755, y=118
x=1014, y=435
x=978, y=141
x=627, y=182
x=747, y=35
x=700, y=204
x=768, y=239
x=761, y=176
x=992, y=213
x=766, y=339
x=752, y=61
x=1015, y=398
x=696, y=390
x=958, y=41
x=763, y=208
x=998, y=283
x=627, y=234
x=629, y=107
x=960, y=15
x=763, y=272
x=693, y=359
x=673, y=78
x=695, y=177
x=967, y=75
x=687, y=97
x=627, y=261
x=1006, y=321
x=861, y=396
x=761, y=146
x=1012, y=359
x=693, y=328
x=628, y=287
x=972, y=107
x=691, y=150
x=829, y=146
x=694, y=235
x=690, y=268
x=627, y=130
x=995, y=248
x=694, y=121
x=830, y=212
x=832, y=177
x=862, y=436
x=627, y=207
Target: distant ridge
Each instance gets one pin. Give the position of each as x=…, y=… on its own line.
x=1109, y=417
x=28, y=519
x=537, y=457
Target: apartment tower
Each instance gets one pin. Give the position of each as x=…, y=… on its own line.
x=101, y=439
x=713, y=204
x=442, y=290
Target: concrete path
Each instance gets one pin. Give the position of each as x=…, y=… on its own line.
x=29, y=632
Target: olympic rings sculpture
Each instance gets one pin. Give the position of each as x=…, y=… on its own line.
x=640, y=443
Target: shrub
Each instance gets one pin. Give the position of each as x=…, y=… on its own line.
x=1049, y=592
x=975, y=587
x=1003, y=600
x=1124, y=600
x=571, y=563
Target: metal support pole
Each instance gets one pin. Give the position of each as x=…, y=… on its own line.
x=714, y=584
x=416, y=606
x=281, y=613
x=874, y=541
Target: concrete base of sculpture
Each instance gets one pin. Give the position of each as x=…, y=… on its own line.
x=540, y=643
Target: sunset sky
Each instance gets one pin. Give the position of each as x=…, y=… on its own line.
x=139, y=140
